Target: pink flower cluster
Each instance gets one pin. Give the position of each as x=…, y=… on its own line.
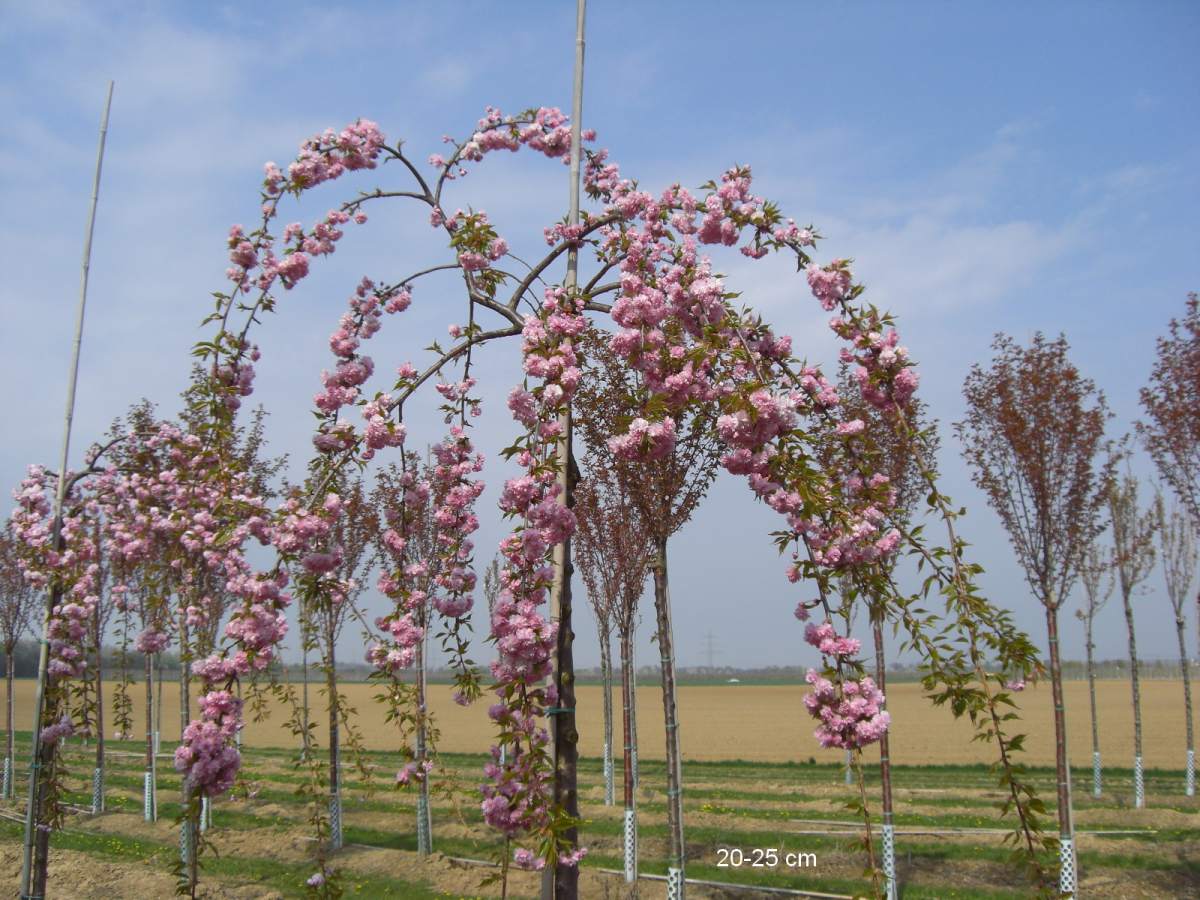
x=206, y=757
x=327, y=156
x=546, y=130
x=260, y=624
x=829, y=642
x=850, y=714
x=63, y=728
x=72, y=565
x=526, y=859
x=151, y=640
x=883, y=372
x=414, y=771
x=455, y=493
x=343, y=386
x=406, y=583
x=645, y=440
x=517, y=798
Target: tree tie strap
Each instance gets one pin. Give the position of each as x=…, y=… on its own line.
x=558, y=710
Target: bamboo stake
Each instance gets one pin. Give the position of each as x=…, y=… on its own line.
x=33, y=871
x=562, y=882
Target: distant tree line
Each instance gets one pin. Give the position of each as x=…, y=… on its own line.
x=25, y=656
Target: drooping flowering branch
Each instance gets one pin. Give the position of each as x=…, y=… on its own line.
x=678, y=329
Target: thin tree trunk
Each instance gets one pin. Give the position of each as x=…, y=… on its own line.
x=662, y=610
x=885, y=769
x=41, y=841
x=9, y=675
x=1066, y=827
x=1090, y=648
x=1139, y=787
x=566, y=737
x=335, y=787
x=190, y=825
x=150, y=806
x=307, y=749
x=98, y=775
x=606, y=680
x=41, y=771
x=159, y=672
x=1190, y=785
x=424, y=823
x=630, y=815
x=633, y=712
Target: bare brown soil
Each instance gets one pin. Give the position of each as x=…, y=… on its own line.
x=768, y=723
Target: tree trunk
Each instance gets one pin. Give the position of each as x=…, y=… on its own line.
x=149, y=801
x=1090, y=648
x=1190, y=784
x=666, y=650
x=1066, y=827
x=41, y=838
x=1139, y=787
x=630, y=815
x=98, y=775
x=424, y=814
x=307, y=748
x=335, y=787
x=606, y=680
x=190, y=825
x=633, y=711
x=9, y=674
x=566, y=737
x=36, y=847
x=158, y=703
x=885, y=769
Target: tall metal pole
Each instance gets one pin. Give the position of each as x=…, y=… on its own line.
x=562, y=882
x=28, y=874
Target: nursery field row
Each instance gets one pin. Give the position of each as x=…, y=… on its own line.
x=945, y=817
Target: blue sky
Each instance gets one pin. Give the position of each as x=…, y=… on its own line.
x=990, y=168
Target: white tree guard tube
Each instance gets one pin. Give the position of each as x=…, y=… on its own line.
x=424, y=837
x=889, y=860
x=849, y=767
x=148, y=810
x=97, y=791
x=1066, y=868
x=630, y=835
x=8, y=779
x=675, y=884
x=184, y=843
x=205, y=814
x=608, y=774
x=1190, y=784
x=1097, y=775
x=1139, y=783
x=335, y=820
